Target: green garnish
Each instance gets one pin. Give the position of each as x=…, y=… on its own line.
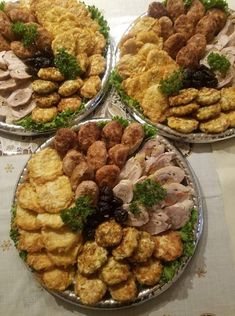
x=149, y=131
x=101, y=124
x=121, y=120
x=27, y=33
x=188, y=3
x=219, y=63
x=67, y=64
x=14, y=235
x=173, y=84
x=2, y=5
x=147, y=193
x=98, y=17
x=76, y=216
x=62, y=119
x=221, y=4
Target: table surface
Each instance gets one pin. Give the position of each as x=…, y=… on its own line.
x=207, y=287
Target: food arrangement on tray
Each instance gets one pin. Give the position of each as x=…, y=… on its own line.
x=106, y=214
x=175, y=68
x=53, y=62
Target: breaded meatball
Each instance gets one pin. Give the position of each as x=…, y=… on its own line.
x=71, y=160
x=196, y=11
x=91, y=258
x=184, y=25
x=91, y=87
x=168, y=246
x=107, y=176
x=44, y=39
x=207, y=26
x=185, y=96
x=114, y=272
x=133, y=136
x=208, y=112
x=88, y=188
x=182, y=125
x=4, y=44
x=44, y=115
x=187, y=57
x=175, y=8
x=149, y=273
x=166, y=27
x=216, y=125
x=90, y=290
x=44, y=86
x=72, y=103
x=112, y=133
x=80, y=173
x=183, y=110
x=47, y=101
x=21, y=15
x=118, y=154
x=6, y=32
x=97, y=155
x=65, y=139
x=128, y=244
x=57, y=279
x=108, y=234
x=21, y=51
x=144, y=250
x=219, y=16
x=198, y=43
x=207, y=96
x=157, y=10
x=174, y=43
x=70, y=87
x=50, y=73
x=227, y=101
x=87, y=135
x=125, y=291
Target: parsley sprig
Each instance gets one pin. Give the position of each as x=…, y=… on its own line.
x=67, y=64
x=218, y=62
x=220, y=4
x=27, y=33
x=98, y=17
x=2, y=5
x=76, y=216
x=172, y=84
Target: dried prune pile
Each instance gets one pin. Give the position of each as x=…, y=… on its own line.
x=199, y=78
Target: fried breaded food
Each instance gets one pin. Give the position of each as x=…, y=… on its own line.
x=207, y=26
x=50, y=220
x=57, y=279
x=207, y=96
x=227, y=101
x=88, y=188
x=44, y=86
x=61, y=240
x=208, y=112
x=131, y=64
x=118, y=155
x=198, y=43
x=72, y=103
x=157, y=10
x=146, y=24
x=154, y=104
x=4, y=44
x=97, y=155
x=231, y=118
x=107, y=176
x=55, y=195
x=97, y=64
x=108, y=234
x=28, y=199
x=114, y=272
x=30, y=241
x=45, y=165
x=196, y=11
x=166, y=27
x=175, y=8
x=65, y=40
x=185, y=96
x=183, y=110
x=124, y=291
x=112, y=133
x=83, y=61
x=70, y=87
x=174, y=43
x=216, y=125
x=187, y=57
x=100, y=43
x=71, y=160
x=90, y=290
x=133, y=136
x=150, y=37
x=182, y=125
x=65, y=139
x=51, y=74
x=219, y=16
x=85, y=40
x=44, y=115
x=47, y=101
x=184, y=25
x=65, y=259
x=160, y=59
x=88, y=134
x=168, y=246
x=39, y=261
x=91, y=258
x=144, y=250
x=21, y=51
x=128, y=244
x=91, y=87
x=149, y=273
x=130, y=46
x=26, y=220
x=80, y=173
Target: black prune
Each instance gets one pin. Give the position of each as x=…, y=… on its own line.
x=120, y=215
x=106, y=198
x=89, y=233
x=39, y=62
x=116, y=202
x=105, y=190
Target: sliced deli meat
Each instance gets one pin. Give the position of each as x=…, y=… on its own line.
x=19, y=112
x=158, y=223
x=19, y=97
x=169, y=174
x=179, y=213
x=19, y=74
x=8, y=85
x=3, y=64
x=4, y=74
x=124, y=191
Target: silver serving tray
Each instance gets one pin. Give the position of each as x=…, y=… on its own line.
x=164, y=129
x=150, y=292
x=89, y=107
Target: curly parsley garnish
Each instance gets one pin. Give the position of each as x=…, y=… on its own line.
x=218, y=62
x=2, y=5
x=98, y=17
x=149, y=131
x=220, y=4
x=27, y=33
x=67, y=64
x=76, y=216
x=172, y=84
x=147, y=193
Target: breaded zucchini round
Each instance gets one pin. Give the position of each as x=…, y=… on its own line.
x=149, y=273
x=125, y=291
x=182, y=125
x=108, y=234
x=216, y=125
x=114, y=272
x=208, y=112
x=145, y=248
x=185, y=96
x=168, y=246
x=44, y=115
x=207, y=96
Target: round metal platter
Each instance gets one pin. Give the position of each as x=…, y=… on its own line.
x=146, y=293
x=164, y=129
x=89, y=107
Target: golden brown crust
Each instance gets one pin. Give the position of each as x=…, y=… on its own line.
x=107, y=176
x=112, y=134
x=30, y=241
x=87, y=135
x=144, y=250
x=208, y=112
x=216, y=125
x=125, y=291
x=149, y=273
x=133, y=136
x=182, y=125
x=185, y=96
x=39, y=261
x=208, y=96
x=81, y=173
x=108, y=234
x=97, y=155
x=118, y=154
x=57, y=279
x=114, y=272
